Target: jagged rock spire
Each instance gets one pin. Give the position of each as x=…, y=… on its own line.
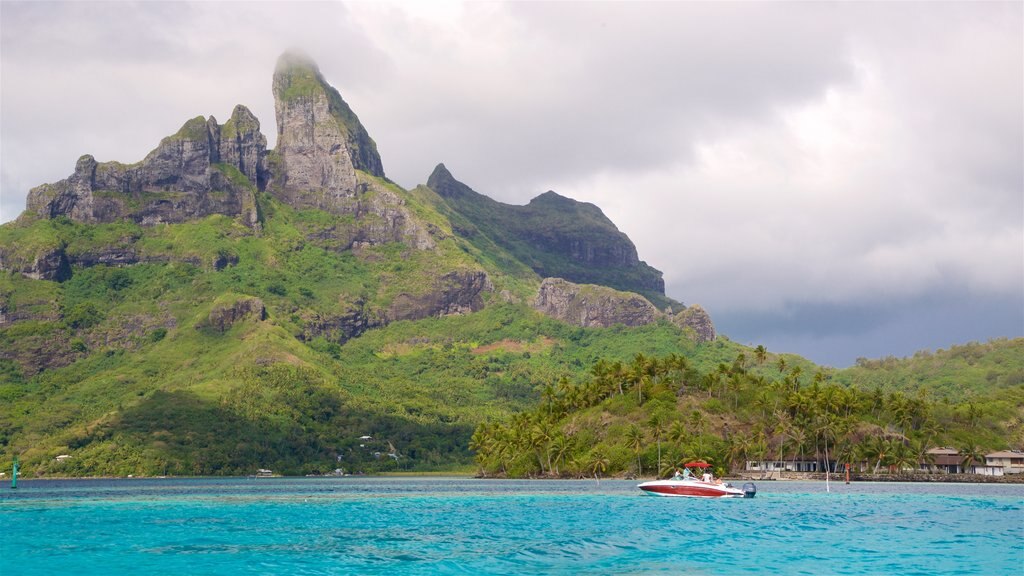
x=320, y=141
x=172, y=184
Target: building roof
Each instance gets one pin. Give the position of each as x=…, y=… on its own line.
x=944, y=451
x=1006, y=454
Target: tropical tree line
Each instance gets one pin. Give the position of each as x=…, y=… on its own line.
x=650, y=415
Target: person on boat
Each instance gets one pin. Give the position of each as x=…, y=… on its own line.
x=677, y=475
x=686, y=473
x=707, y=477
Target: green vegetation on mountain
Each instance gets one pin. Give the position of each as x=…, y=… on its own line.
x=961, y=371
x=218, y=308
x=163, y=367
x=553, y=235
x=652, y=414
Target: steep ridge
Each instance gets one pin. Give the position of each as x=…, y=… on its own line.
x=555, y=236
x=176, y=182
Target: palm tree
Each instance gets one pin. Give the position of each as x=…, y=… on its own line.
x=970, y=454
x=761, y=354
x=921, y=454
x=878, y=449
x=697, y=421
x=548, y=395
x=677, y=432
x=762, y=401
x=483, y=444
x=740, y=363
x=759, y=448
x=560, y=446
x=974, y=413
x=799, y=437
x=739, y=447
x=903, y=457
x=538, y=439
x=635, y=441
x=845, y=453
x=796, y=372
x=598, y=464
x=679, y=365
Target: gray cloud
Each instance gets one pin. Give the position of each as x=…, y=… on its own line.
x=838, y=334
x=824, y=167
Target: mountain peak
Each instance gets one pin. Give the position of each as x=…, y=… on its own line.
x=446, y=186
x=297, y=75
x=320, y=140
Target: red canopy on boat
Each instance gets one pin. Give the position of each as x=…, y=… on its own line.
x=697, y=465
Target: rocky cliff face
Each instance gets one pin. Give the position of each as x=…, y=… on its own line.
x=457, y=292
x=189, y=175
x=326, y=159
x=592, y=306
x=554, y=235
x=598, y=306
x=696, y=319
x=226, y=314
x=320, y=141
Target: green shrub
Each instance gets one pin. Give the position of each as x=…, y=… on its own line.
x=83, y=315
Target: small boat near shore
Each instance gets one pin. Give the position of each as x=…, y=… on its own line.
x=688, y=485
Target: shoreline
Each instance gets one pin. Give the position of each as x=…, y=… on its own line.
x=742, y=477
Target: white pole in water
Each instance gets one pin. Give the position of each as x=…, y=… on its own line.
x=827, y=489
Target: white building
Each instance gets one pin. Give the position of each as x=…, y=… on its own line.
x=1011, y=461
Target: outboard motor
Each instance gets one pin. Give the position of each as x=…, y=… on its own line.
x=749, y=490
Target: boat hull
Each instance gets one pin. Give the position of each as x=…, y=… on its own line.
x=691, y=489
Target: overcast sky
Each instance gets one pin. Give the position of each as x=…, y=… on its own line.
x=831, y=179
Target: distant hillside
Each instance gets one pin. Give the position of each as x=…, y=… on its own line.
x=651, y=415
x=555, y=236
x=975, y=368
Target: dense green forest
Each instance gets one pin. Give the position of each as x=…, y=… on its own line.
x=651, y=414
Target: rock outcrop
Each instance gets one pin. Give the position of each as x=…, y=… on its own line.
x=592, y=306
x=203, y=169
x=47, y=263
x=597, y=306
x=338, y=327
x=457, y=292
x=229, y=311
x=696, y=319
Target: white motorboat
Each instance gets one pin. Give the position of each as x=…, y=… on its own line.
x=690, y=486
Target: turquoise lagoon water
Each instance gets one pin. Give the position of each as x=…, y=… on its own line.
x=466, y=526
